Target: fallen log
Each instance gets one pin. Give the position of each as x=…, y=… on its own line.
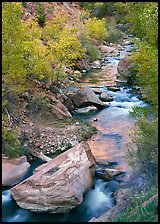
x=40, y=155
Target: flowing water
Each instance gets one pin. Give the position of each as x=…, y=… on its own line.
x=113, y=124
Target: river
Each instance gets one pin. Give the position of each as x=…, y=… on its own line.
x=113, y=124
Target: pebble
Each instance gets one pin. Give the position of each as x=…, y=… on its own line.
x=77, y=123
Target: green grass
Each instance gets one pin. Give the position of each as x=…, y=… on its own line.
x=138, y=213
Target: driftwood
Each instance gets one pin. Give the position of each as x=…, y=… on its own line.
x=40, y=156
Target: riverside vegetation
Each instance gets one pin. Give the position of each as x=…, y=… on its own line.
x=43, y=47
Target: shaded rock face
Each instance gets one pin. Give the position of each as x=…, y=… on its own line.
x=13, y=170
x=58, y=186
x=66, y=101
x=86, y=97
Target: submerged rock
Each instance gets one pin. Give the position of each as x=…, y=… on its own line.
x=13, y=170
x=107, y=173
x=58, y=186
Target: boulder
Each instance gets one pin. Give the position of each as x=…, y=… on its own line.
x=67, y=102
x=113, y=88
x=107, y=173
x=105, y=97
x=58, y=185
x=124, y=69
x=96, y=64
x=108, y=50
x=13, y=170
x=122, y=194
x=57, y=107
x=86, y=97
x=85, y=109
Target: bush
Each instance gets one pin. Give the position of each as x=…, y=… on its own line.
x=143, y=150
x=92, y=52
x=11, y=147
x=114, y=35
x=38, y=104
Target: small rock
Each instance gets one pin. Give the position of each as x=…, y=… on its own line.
x=95, y=119
x=77, y=123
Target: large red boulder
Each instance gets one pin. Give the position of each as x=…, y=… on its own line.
x=58, y=185
x=13, y=170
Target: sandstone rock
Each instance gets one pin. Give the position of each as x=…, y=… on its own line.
x=58, y=185
x=107, y=173
x=122, y=194
x=106, y=163
x=66, y=101
x=13, y=170
x=105, y=97
x=97, y=91
x=108, y=50
x=96, y=64
x=85, y=109
x=124, y=69
x=86, y=97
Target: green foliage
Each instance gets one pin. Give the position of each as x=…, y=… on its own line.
x=11, y=147
x=94, y=29
x=144, y=20
x=138, y=213
x=41, y=14
x=120, y=12
x=146, y=61
x=143, y=150
x=98, y=9
x=23, y=53
x=39, y=103
x=92, y=51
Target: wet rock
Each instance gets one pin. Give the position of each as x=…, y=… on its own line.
x=113, y=185
x=97, y=91
x=13, y=170
x=106, y=163
x=86, y=109
x=105, y=97
x=113, y=88
x=58, y=186
x=96, y=64
x=86, y=97
x=107, y=173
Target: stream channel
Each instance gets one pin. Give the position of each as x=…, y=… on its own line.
x=113, y=124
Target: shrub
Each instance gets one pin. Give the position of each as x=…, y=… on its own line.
x=143, y=150
x=38, y=104
x=92, y=52
x=114, y=35
x=11, y=147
